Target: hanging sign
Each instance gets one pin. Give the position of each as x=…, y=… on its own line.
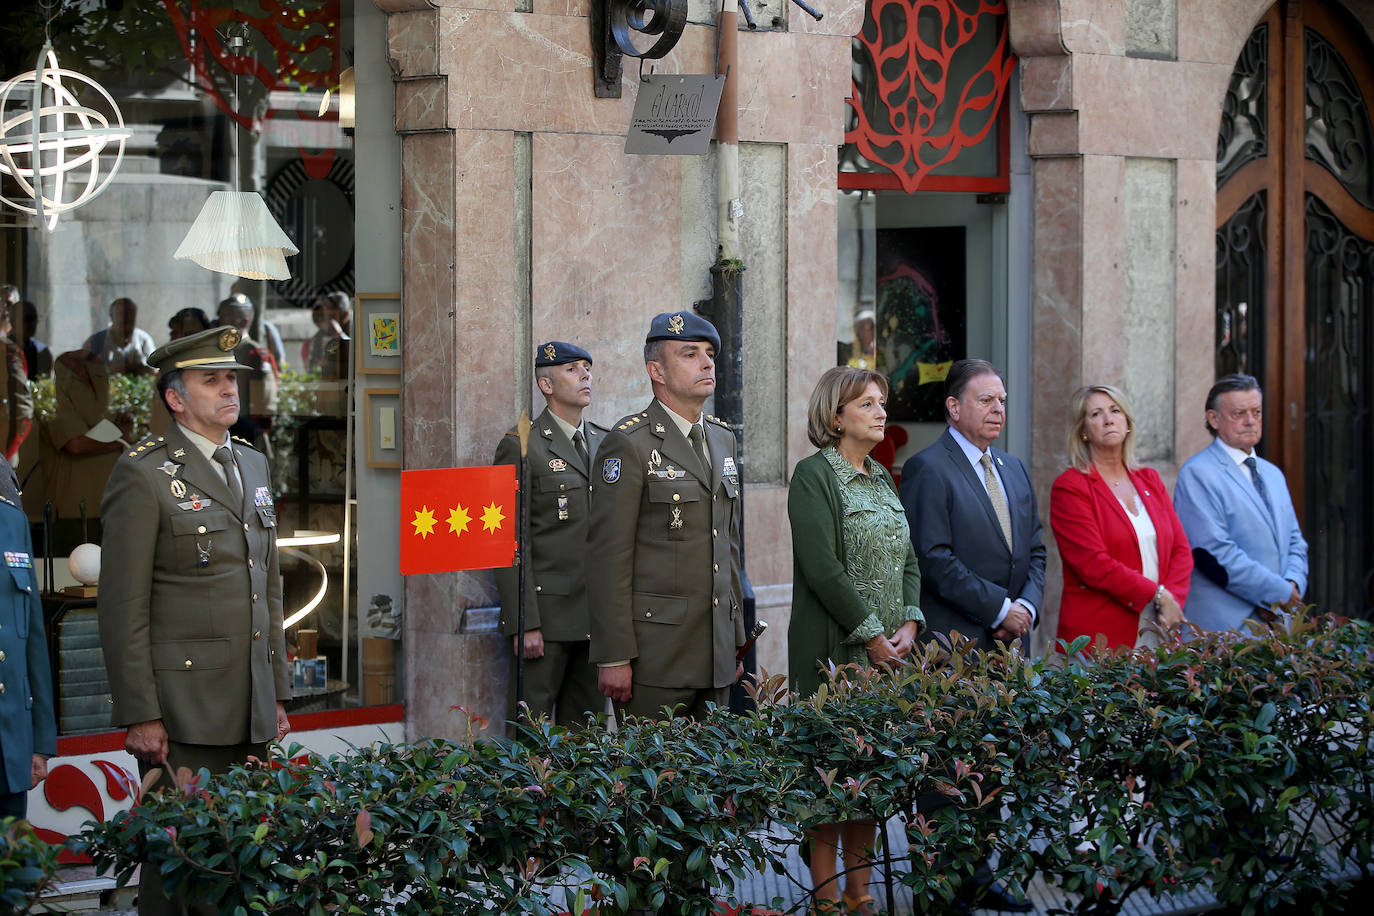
x=675, y=114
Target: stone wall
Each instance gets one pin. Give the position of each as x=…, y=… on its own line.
x=523, y=219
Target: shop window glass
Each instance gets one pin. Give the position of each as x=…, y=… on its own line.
x=97, y=293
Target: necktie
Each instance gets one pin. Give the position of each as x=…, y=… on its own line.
x=699, y=446
x=231, y=475
x=581, y=445
x=1259, y=482
x=999, y=501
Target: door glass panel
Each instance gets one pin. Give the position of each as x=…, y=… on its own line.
x=1240, y=290
x=1244, y=113
x=1338, y=440
x=1337, y=132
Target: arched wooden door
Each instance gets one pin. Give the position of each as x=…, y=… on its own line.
x=1295, y=274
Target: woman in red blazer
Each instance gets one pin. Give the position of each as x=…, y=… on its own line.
x=1127, y=562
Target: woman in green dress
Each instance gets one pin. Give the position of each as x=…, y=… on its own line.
x=856, y=584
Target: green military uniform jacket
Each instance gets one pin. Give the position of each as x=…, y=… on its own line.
x=665, y=592
x=555, y=558
x=190, y=602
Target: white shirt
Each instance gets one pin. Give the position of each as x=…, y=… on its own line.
x=1147, y=537
x=975, y=459
x=1236, y=454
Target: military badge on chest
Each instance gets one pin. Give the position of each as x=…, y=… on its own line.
x=195, y=503
x=656, y=468
x=267, y=510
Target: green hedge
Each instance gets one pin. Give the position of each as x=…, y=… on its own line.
x=1238, y=765
x=28, y=866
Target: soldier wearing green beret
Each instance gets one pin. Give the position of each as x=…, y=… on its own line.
x=665, y=537
x=560, y=681
x=190, y=594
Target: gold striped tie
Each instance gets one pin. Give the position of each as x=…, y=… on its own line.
x=999, y=500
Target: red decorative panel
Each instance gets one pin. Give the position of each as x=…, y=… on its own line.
x=305, y=53
x=930, y=81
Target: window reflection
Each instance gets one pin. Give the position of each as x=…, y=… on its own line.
x=87, y=303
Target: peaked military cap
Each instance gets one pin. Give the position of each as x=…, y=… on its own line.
x=212, y=348
x=556, y=353
x=687, y=325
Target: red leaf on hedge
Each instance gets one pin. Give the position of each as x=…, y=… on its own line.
x=363, y=827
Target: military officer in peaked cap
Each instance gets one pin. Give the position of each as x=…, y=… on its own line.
x=190, y=603
x=560, y=681
x=665, y=600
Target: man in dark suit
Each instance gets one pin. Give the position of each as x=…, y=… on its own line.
x=976, y=529
x=973, y=518
x=666, y=607
x=560, y=680
x=190, y=593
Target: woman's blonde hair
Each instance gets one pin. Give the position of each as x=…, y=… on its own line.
x=1080, y=456
x=836, y=388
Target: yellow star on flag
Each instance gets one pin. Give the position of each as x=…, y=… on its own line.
x=492, y=517
x=424, y=521
x=458, y=521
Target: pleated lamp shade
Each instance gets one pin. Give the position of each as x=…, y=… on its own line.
x=236, y=234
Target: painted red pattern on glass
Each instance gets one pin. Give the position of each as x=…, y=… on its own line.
x=295, y=32
x=911, y=85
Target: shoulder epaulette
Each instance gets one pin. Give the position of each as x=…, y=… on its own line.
x=242, y=441
x=632, y=422
x=147, y=447
x=718, y=421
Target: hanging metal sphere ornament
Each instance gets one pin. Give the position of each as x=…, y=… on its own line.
x=51, y=144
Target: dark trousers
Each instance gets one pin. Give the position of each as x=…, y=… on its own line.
x=648, y=702
x=152, y=901
x=561, y=685
x=14, y=804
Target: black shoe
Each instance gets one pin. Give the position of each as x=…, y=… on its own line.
x=996, y=897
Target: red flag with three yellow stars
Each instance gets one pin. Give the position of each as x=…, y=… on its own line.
x=457, y=518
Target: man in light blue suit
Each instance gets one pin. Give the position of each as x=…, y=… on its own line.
x=1248, y=551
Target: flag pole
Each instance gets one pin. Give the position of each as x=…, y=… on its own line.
x=522, y=536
